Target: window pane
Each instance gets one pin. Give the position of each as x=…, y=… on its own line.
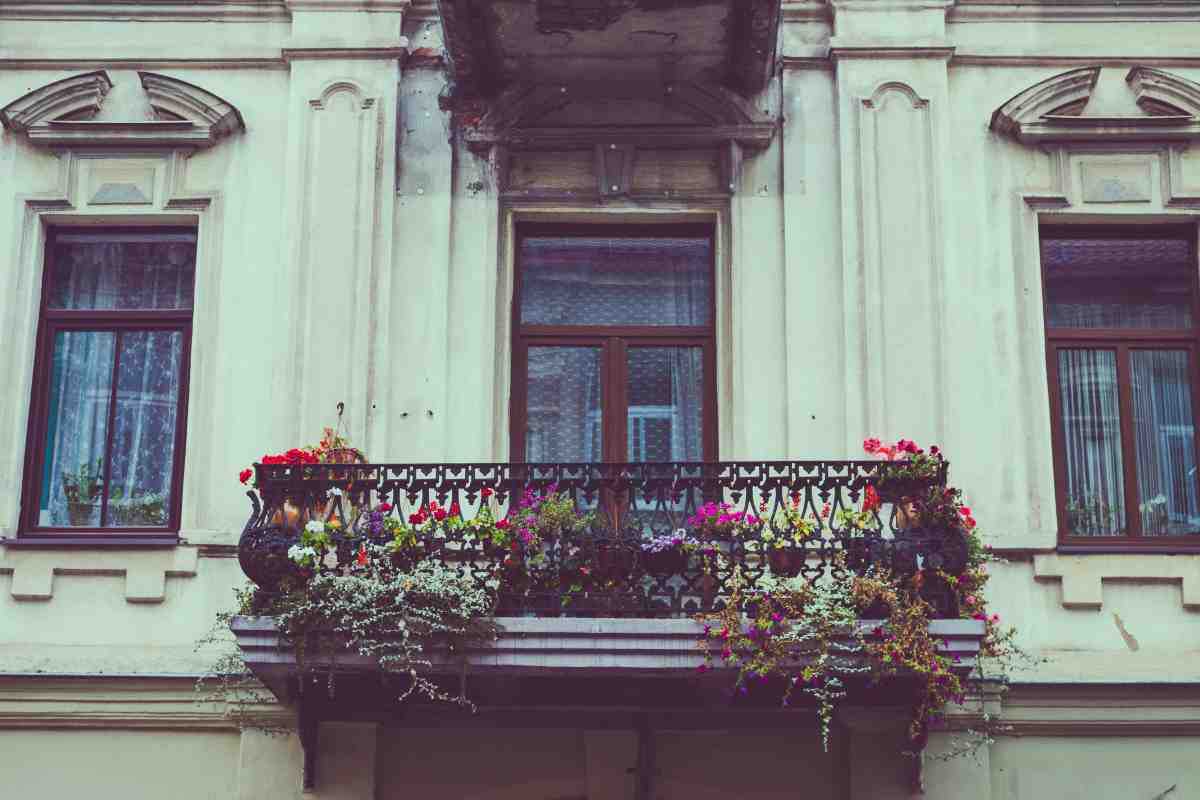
x=666, y=404
x=121, y=271
x=1092, y=433
x=1118, y=283
x=563, y=414
x=1166, y=450
x=77, y=428
x=589, y=280
x=144, y=428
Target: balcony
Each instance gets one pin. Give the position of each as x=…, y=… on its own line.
x=605, y=570
x=604, y=617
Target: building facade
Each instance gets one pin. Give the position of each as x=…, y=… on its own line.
x=616, y=230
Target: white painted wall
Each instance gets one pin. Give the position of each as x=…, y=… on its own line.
x=882, y=280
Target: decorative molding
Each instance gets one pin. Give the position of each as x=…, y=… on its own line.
x=147, y=10
x=1057, y=95
x=1083, y=576
x=186, y=101
x=59, y=114
x=720, y=116
x=128, y=702
x=967, y=11
x=79, y=94
x=892, y=206
x=1051, y=111
x=145, y=571
x=1161, y=93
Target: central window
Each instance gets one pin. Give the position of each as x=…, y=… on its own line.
x=613, y=356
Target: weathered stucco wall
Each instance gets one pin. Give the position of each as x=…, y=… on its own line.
x=879, y=275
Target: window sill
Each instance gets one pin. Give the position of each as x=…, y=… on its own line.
x=1190, y=547
x=93, y=540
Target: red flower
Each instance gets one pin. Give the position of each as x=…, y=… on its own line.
x=871, y=501
x=964, y=510
x=907, y=446
x=416, y=519
x=385, y=508
x=487, y=492
x=362, y=556
x=502, y=525
x=439, y=514
x=455, y=511
x=245, y=474
x=871, y=445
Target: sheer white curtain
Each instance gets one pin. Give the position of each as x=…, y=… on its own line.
x=1092, y=435
x=1165, y=441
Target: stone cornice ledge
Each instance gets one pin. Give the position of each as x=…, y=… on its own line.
x=1082, y=576
x=847, y=48
x=394, y=50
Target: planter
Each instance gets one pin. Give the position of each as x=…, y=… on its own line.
x=83, y=515
x=613, y=562
x=664, y=562
x=786, y=561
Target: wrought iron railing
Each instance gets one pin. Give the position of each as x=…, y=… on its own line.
x=602, y=568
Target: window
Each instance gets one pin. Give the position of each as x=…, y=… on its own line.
x=1121, y=310
x=613, y=356
x=110, y=384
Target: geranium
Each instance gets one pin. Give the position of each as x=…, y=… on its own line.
x=245, y=475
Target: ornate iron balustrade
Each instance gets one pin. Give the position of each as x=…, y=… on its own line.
x=602, y=569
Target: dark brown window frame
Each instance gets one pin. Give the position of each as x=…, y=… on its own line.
x=1122, y=341
x=613, y=341
x=50, y=322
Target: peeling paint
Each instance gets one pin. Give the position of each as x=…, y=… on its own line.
x=1130, y=641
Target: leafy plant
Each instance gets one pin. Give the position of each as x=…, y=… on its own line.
x=85, y=484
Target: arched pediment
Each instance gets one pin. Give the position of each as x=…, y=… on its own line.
x=685, y=113
x=1160, y=93
x=78, y=96
x=1060, y=95
x=68, y=112
x=1149, y=105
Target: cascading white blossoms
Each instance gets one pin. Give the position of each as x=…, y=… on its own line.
x=393, y=616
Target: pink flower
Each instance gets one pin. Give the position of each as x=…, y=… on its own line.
x=907, y=446
x=487, y=492
x=970, y=599
x=502, y=524
x=871, y=445
x=385, y=508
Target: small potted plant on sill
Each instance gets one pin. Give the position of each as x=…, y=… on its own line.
x=138, y=511
x=82, y=489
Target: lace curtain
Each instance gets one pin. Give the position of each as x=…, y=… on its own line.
x=114, y=273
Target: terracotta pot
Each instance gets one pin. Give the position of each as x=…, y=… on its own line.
x=81, y=515
x=664, y=562
x=786, y=561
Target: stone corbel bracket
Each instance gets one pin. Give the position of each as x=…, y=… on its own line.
x=1083, y=576
x=145, y=571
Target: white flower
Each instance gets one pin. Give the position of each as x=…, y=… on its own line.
x=296, y=552
x=331, y=559
x=315, y=526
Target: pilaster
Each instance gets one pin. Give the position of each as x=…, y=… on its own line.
x=892, y=100
x=343, y=57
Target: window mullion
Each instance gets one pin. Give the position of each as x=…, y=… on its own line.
x=111, y=427
x=1133, y=518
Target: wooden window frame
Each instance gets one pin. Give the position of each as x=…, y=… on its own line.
x=50, y=322
x=1122, y=341
x=613, y=342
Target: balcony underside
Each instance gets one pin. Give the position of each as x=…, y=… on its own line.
x=561, y=652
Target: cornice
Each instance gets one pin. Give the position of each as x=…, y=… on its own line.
x=977, y=11
x=147, y=10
